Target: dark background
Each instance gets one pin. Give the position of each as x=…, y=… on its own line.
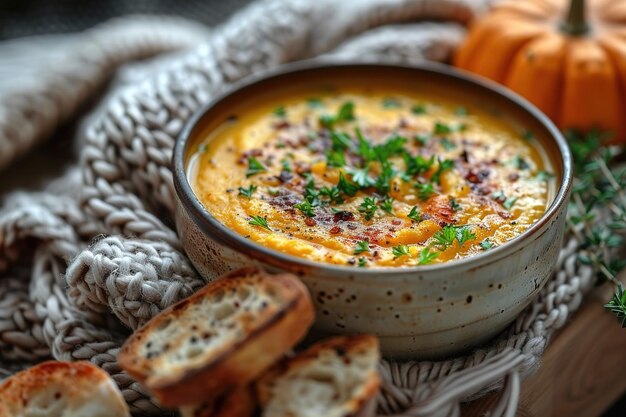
x=19, y=18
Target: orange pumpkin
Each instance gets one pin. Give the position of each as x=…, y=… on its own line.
x=566, y=56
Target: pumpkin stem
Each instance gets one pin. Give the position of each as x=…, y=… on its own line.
x=575, y=23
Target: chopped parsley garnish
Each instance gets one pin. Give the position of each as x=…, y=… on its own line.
x=286, y=165
x=333, y=194
x=528, y=135
x=335, y=159
x=368, y=207
x=305, y=208
x=365, y=148
x=418, y=109
x=400, y=250
x=414, y=214
x=448, y=234
x=442, y=128
x=426, y=256
x=445, y=237
x=362, y=262
x=340, y=141
x=346, y=187
x=386, y=204
x=311, y=193
x=486, y=244
x=362, y=246
x=280, y=111
x=315, y=103
x=424, y=191
x=421, y=138
x=418, y=164
x=447, y=144
x=383, y=185
x=454, y=205
x=254, y=167
x=499, y=196
x=544, y=176
x=393, y=146
x=203, y=147
x=520, y=163
x=259, y=221
x=509, y=202
x=444, y=165
x=247, y=192
x=345, y=113
x=461, y=111
x=391, y=103
x=361, y=177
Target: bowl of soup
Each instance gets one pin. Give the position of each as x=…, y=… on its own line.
x=418, y=203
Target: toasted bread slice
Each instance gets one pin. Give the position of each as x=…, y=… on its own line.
x=222, y=337
x=237, y=403
x=61, y=389
x=337, y=377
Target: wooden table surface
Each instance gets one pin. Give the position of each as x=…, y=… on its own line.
x=583, y=371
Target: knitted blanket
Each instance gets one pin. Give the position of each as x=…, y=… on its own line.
x=94, y=254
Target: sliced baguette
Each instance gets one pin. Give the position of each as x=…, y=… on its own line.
x=238, y=403
x=222, y=337
x=334, y=378
x=61, y=389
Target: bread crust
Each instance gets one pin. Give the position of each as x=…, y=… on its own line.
x=267, y=336
x=361, y=405
x=237, y=403
x=83, y=388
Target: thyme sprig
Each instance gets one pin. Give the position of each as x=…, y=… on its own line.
x=599, y=184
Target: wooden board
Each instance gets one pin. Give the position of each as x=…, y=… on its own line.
x=583, y=372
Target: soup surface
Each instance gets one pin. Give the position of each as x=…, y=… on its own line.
x=372, y=179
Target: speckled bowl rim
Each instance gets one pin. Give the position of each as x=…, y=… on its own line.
x=219, y=232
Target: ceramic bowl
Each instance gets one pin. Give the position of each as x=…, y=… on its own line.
x=420, y=312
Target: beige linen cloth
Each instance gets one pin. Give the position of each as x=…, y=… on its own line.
x=93, y=255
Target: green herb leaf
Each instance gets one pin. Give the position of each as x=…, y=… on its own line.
x=454, y=205
x=254, y=167
x=368, y=207
x=486, y=244
x=362, y=263
x=418, y=109
x=509, y=202
x=363, y=246
x=335, y=159
x=247, y=192
x=544, y=176
x=386, y=204
x=520, y=163
x=340, y=141
x=426, y=256
x=461, y=111
x=280, y=111
x=346, y=187
x=365, y=148
x=444, y=165
x=464, y=234
x=528, y=135
x=259, y=221
x=315, y=103
x=424, y=191
x=332, y=193
x=499, y=196
x=418, y=165
x=400, y=250
x=442, y=128
x=617, y=305
x=345, y=113
x=391, y=103
x=361, y=177
x=421, y=138
x=305, y=208
x=286, y=164
x=447, y=144
x=445, y=237
x=203, y=147
x=383, y=182
x=414, y=214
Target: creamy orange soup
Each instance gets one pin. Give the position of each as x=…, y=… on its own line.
x=369, y=179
